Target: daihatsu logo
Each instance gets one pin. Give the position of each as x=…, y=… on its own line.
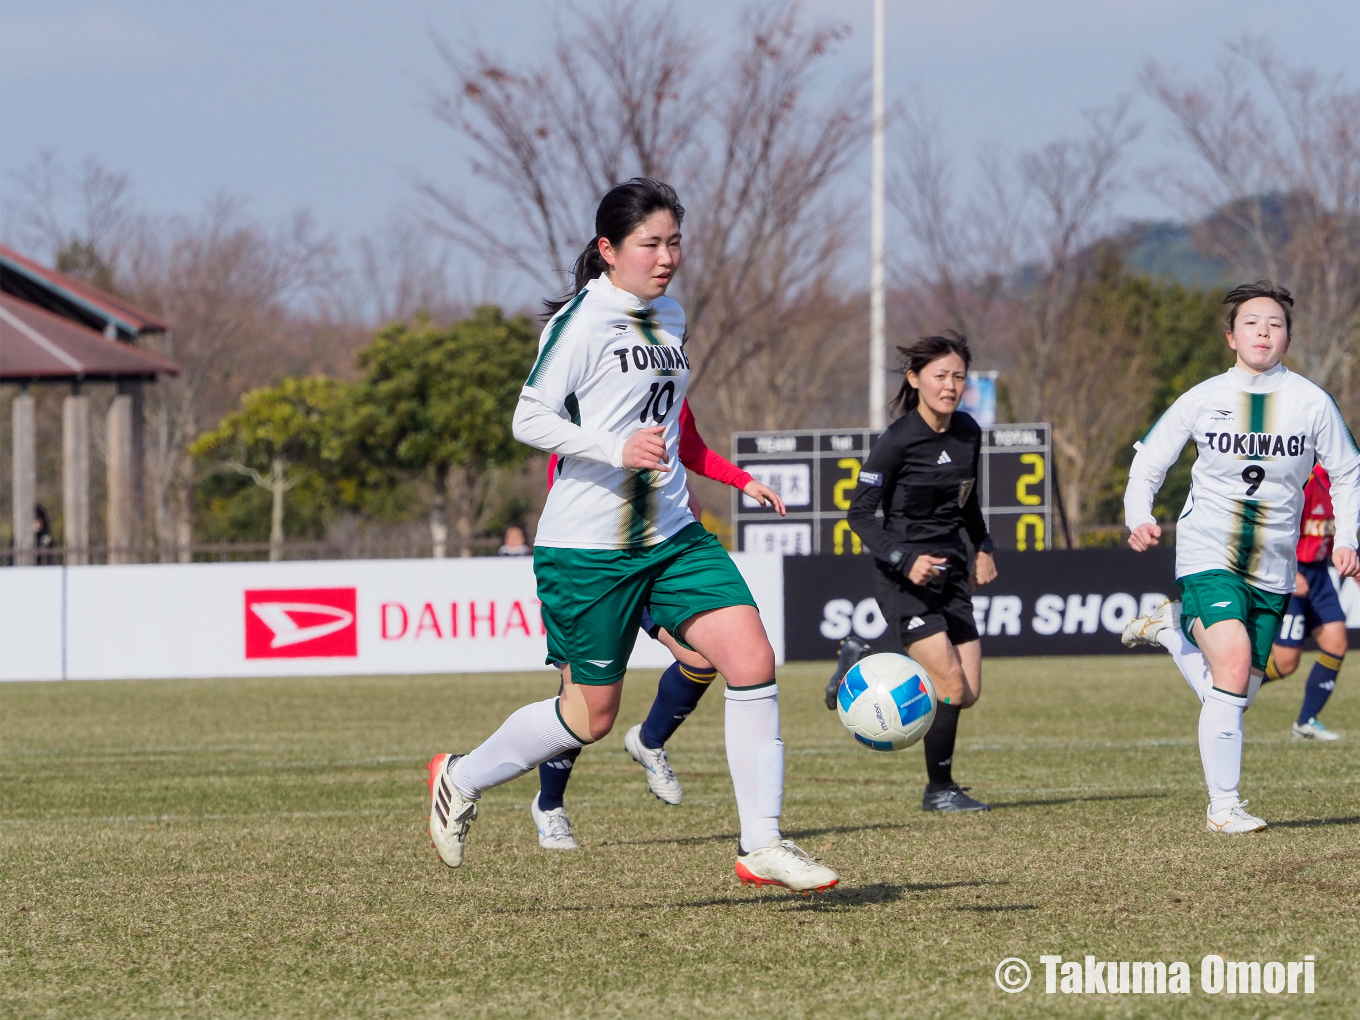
x=301, y=623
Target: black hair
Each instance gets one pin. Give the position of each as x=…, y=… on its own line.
x=1240, y=295
x=920, y=354
x=623, y=207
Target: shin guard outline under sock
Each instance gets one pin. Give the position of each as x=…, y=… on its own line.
x=553, y=776
x=677, y=695
x=1220, y=746
x=755, y=757
x=939, y=744
x=1321, y=683
x=530, y=736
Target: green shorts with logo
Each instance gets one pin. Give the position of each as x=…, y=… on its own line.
x=1216, y=595
x=593, y=598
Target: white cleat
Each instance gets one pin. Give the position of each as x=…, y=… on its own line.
x=660, y=777
x=1143, y=630
x=1234, y=820
x=1314, y=730
x=784, y=863
x=450, y=812
x=554, y=828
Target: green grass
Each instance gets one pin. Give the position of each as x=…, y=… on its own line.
x=257, y=848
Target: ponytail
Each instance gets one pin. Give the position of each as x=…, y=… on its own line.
x=623, y=207
x=920, y=354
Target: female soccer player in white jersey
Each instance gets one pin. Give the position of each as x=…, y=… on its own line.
x=1258, y=429
x=617, y=534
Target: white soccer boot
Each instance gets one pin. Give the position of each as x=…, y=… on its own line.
x=554, y=828
x=784, y=863
x=1234, y=820
x=450, y=812
x=1313, y=730
x=1143, y=630
x=660, y=777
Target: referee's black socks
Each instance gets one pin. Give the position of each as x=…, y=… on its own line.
x=939, y=744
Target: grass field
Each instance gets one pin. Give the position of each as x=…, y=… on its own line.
x=253, y=848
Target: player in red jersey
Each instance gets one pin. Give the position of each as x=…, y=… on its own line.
x=681, y=686
x=1314, y=608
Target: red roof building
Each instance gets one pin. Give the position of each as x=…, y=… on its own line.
x=57, y=329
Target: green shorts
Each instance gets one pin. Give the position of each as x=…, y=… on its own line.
x=593, y=598
x=1216, y=595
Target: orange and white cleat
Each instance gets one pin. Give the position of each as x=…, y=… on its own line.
x=786, y=864
x=450, y=812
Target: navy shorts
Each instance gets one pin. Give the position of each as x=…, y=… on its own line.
x=649, y=626
x=1307, y=613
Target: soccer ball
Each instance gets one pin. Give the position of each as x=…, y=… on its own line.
x=886, y=701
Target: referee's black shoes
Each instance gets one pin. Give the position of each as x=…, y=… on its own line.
x=950, y=797
x=852, y=650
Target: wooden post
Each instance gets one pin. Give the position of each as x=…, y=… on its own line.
x=75, y=477
x=135, y=389
x=120, y=512
x=25, y=478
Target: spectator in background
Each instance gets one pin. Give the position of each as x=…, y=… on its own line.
x=514, y=543
x=42, y=536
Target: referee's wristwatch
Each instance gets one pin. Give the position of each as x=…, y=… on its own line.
x=986, y=545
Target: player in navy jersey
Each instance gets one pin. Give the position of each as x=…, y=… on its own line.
x=1314, y=608
x=923, y=473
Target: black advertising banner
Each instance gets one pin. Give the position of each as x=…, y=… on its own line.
x=1065, y=602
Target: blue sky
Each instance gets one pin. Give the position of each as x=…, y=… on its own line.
x=323, y=103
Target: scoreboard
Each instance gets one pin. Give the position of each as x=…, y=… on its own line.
x=816, y=471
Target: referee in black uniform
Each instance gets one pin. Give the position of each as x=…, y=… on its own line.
x=923, y=473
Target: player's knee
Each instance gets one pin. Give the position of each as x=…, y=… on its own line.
x=969, y=697
x=601, y=722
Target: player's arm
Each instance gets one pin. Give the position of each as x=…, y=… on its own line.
x=697, y=457
x=877, y=477
x=1157, y=451
x=543, y=421
x=1338, y=453
x=984, y=565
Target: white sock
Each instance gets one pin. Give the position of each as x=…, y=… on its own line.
x=1189, y=660
x=1220, y=746
x=524, y=741
x=755, y=757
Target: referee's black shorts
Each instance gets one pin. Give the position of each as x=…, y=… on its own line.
x=942, y=604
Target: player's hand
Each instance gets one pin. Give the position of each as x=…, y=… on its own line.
x=645, y=450
x=1300, y=585
x=765, y=496
x=925, y=568
x=1144, y=537
x=984, y=569
x=1346, y=561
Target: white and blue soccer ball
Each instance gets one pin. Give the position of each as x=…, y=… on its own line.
x=886, y=701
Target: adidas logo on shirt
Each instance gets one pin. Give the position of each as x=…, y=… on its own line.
x=944, y=458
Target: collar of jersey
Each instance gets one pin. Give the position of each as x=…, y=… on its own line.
x=606, y=289
x=1263, y=383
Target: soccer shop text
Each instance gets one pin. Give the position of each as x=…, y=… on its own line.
x=1216, y=975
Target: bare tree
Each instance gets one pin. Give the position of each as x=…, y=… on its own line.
x=1011, y=265
x=224, y=283
x=1274, y=184
x=629, y=93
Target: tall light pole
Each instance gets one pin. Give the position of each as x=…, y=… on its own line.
x=877, y=337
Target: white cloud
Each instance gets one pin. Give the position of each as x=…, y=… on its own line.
x=94, y=40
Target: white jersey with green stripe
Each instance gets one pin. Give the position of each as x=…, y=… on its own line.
x=1256, y=439
x=608, y=364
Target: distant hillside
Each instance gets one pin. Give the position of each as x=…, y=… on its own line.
x=1163, y=250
